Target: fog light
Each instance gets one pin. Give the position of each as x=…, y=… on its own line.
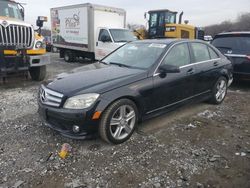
x=76, y=129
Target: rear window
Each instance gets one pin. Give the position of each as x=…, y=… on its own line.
x=233, y=44
x=200, y=52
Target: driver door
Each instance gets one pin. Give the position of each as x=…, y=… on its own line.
x=104, y=44
x=173, y=88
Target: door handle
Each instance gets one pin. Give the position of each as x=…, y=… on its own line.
x=96, y=43
x=191, y=71
x=216, y=64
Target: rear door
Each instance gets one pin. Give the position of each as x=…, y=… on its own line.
x=207, y=63
x=175, y=87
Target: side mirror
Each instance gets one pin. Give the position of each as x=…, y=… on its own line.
x=40, y=20
x=169, y=69
x=22, y=13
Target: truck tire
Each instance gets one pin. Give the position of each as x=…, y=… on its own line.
x=38, y=73
x=69, y=56
x=54, y=49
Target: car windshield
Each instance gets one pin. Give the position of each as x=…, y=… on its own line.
x=136, y=55
x=233, y=44
x=10, y=9
x=122, y=35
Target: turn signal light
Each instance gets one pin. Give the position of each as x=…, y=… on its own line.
x=96, y=115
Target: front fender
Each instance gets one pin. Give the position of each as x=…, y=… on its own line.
x=139, y=92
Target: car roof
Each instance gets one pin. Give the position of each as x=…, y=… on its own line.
x=234, y=33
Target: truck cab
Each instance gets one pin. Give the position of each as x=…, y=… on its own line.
x=163, y=24
x=109, y=39
x=22, y=49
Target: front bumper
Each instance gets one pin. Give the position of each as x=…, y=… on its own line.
x=39, y=60
x=63, y=120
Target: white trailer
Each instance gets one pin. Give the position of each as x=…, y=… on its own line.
x=88, y=30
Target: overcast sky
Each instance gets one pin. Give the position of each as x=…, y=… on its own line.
x=198, y=12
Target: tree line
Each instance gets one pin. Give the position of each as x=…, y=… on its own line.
x=242, y=23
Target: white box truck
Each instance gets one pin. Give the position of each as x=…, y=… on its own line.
x=88, y=30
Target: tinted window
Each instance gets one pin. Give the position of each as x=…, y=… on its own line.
x=104, y=34
x=213, y=54
x=200, y=52
x=233, y=44
x=178, y=56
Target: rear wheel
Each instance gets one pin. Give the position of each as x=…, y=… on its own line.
x=69, y=56
x=219, y=91
x=38, y=73
x=118, y=121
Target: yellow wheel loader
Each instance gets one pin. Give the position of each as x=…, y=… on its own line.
x=163, y=24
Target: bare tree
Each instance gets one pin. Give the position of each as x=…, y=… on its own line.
x=242, y=23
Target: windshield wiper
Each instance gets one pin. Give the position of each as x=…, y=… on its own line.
x=119, y=64
x=123, y=41
x=103, y=62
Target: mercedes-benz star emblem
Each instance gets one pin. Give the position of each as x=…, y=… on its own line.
x=43, y=96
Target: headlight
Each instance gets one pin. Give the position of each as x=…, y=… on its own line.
x=81, y=101
x=39, y=44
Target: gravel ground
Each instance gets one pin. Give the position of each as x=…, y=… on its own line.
x=199, y=145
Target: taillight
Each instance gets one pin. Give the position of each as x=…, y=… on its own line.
x=248, y=57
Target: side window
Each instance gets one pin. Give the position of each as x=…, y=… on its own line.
x=178, y=56
x=213, y=54
x=153, y=20
x=104, y=36
x=200, y=52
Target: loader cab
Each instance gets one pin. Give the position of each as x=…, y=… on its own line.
x=11, y=9
x=158, y=20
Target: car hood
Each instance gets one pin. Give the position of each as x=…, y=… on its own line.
x=95, y=78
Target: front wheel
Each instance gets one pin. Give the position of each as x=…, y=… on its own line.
x=118, y=121
x=219, y=91
x=38, y=73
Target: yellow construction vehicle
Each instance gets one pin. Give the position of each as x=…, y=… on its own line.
x=22, y=48
x=163, y=24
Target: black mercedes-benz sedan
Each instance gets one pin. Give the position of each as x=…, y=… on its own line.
x=139, y=80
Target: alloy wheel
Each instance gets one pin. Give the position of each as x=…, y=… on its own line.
x=221, y=90
x=122, y=122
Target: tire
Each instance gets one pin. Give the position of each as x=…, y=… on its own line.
x=69, y=56
x=54, y=49
x=123, y=127
x=219, y=91
x=38, y=73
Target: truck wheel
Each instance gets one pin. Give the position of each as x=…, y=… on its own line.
x=54, y=49
x=118, y=121
x=38, y=73
x=69, y=56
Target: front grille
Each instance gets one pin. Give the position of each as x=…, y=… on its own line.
x=49, y=97
x=16, y=36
